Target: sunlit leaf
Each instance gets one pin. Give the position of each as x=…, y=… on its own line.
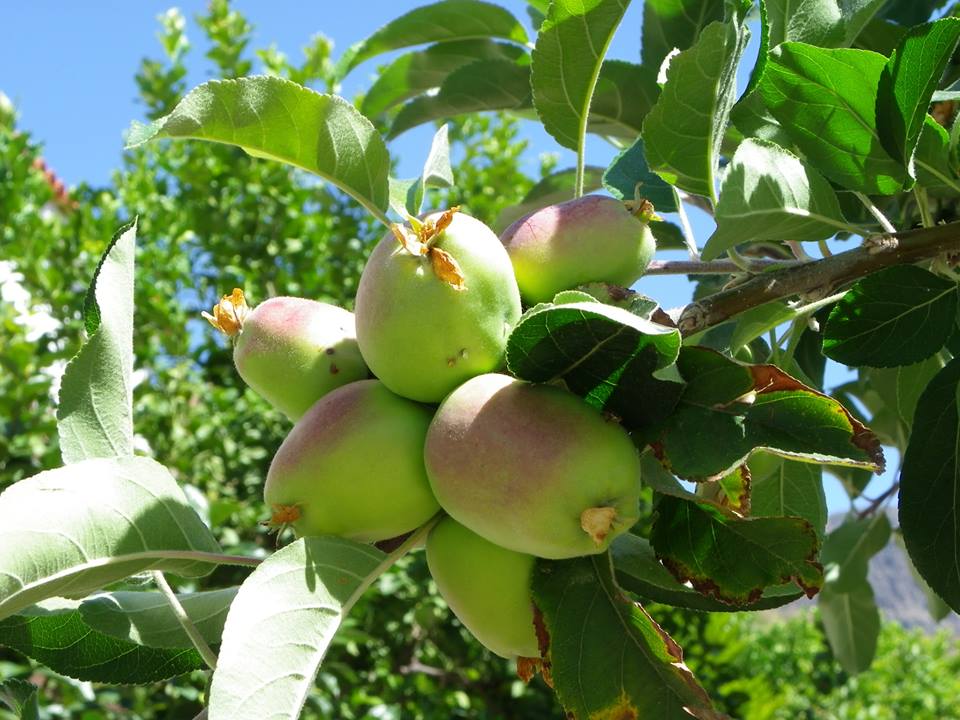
x=273, y=118
x=70, y=531
x=95, y=410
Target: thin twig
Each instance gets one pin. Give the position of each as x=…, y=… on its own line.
x=875, y=211
x=209, y=657
x=877, y=502
x=714, y=267
x=923, y=205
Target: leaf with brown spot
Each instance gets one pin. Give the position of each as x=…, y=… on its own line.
x=729, y=410
x=608, y=656
x=446, y=267
x=734, y=559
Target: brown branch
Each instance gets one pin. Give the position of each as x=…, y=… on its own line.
x=714, y=267
x=821, y=278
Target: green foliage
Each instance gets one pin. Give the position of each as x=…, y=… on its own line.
x=838, y=108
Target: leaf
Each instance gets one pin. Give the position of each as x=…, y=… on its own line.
x=786, y=488
x=605, y=354
x=480, y=86
x=406, y=196
x=669, y=24
x=608, y=658
x=899, y=390
x=282, y=622
x=554, y=188
x=444, y=21
x=56, y=635
x=639, y=571
x=728, y=411
x=416, y=72
x=684, y=130
x=20, y=697
x=566, y=63
x=908, y=81
x=734, y=559
x=624, y=94
x=145, y=618
x=95, y=408
x=769, y=194
x=273, y=118
x=848, y=549
x=73, y=530
x=826, y=101
x=896, y=316
x=827, y=23
x=629, y=176
x=930, y=486
x=936, y=169
x=851, y=622
x=757, y=322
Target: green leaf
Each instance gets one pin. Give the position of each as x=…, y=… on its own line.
x=899, y=389
x=851, y=622
x=728, y=411
x=444, y=21
x=566, y=64
x=786, y=488
x=734, y=559
x=930, y=486
x=757, y=322
x=95, y=410
x=20, y=697
x=896, y=316
x=281, y=624
x=684, y=130
x=554, y=188
x=669, y=24
x=826, y=101
x=609, y=659
x=76, y=529
x=848, y=549
x=827, y=23
x=273, y=118
x=414, y=73
x=639, y=571
x=629, y=176
x=907, y=84
x=624, y=94
x=406, y=196
x=55, y=634
x=605, y=354
x=145, y=618
x=769, y=194
x=935, y=166
x=480, y=86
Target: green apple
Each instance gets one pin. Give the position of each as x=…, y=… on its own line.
x=591, y=239
x=291, y=351
x=532, y=467
x=436, y=308
x=352, y=466
x=486, y=586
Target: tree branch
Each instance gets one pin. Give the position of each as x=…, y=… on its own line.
x=821, y=277
x=713, y=267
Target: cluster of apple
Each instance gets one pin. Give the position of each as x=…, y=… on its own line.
x=520, y=470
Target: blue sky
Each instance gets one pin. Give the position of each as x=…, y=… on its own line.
x=68, y=67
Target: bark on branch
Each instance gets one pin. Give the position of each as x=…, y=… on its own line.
x=821, y=278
